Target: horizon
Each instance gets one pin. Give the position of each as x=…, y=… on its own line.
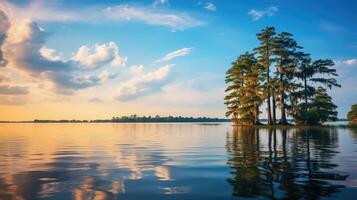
x=76, y=60
x=121, y=117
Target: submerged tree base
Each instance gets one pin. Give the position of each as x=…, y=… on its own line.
x=243, y=124
x=246, y=123
x=284, y=123
x=259, y=124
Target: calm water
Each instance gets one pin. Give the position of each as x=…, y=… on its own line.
x=175, y=161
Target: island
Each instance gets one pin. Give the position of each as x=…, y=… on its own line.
x=352, y=115
x=280, y=76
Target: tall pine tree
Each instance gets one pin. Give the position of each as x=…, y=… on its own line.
x=243, y=92
x=265, y=58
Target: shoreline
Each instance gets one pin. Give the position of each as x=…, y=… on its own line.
x=349, y=125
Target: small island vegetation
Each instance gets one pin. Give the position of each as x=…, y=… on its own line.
x=352, y=115
x=281, y=77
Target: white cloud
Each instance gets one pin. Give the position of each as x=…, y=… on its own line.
x=352, y=61
x=345, y=96
x=210, y=6
x=22, y=50
x=50, y=54
x=105, y=75
x=186, y=94
x=160, y=2
x=99, y=55
x=39, y=10
x=22, y=47
x=175, y=54
x=136, y=69
x=144, y=84
x=258, y=14
x=177, y=21
x=345, y=63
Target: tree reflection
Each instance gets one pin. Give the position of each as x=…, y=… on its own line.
x=283, y=163
x=244, y=150
x=354, y=132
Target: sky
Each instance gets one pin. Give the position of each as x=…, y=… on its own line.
x=64, y=59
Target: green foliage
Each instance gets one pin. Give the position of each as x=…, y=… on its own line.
x=286, y=68
x=352, y=115
x=243, y=92
x=265, y=53
x=280, y=72
x=320, y=109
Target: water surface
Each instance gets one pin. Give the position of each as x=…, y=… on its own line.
x=175, y=161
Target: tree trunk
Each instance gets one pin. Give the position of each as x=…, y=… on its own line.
x=283, y=120
x=274, y=108
x=268, y=99
x=305, y=106
x=256, y=114
x=269, y=111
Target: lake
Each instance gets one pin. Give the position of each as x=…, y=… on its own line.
x=175, y=161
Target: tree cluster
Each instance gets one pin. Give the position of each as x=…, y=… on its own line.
x=136, y=118
x=157, y=118
x=352, y=115
x=280, y=76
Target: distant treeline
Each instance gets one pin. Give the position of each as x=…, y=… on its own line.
x=135, y=118
x=61, y=121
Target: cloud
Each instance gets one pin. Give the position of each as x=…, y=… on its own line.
x=95, y=100
x=23, y=47
x=352, y=61
x=188, y=94
x=177, y=21
x=12, y=90
x=40, y=10
x=210, y=6
x=175, y=54
x=4, y=25
x=49, y=11
x=4, y=79
x=345, y=96
x=50, y=54
x=12, y=100
x=136, y=69
x=144, y=84
x=347, y=69
x=99, y=56
x=258, y=14
x=105, y=75
x=159, y=2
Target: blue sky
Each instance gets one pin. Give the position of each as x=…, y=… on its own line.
x=155, y=57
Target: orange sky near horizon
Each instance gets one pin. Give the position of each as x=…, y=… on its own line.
x=91, y=111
